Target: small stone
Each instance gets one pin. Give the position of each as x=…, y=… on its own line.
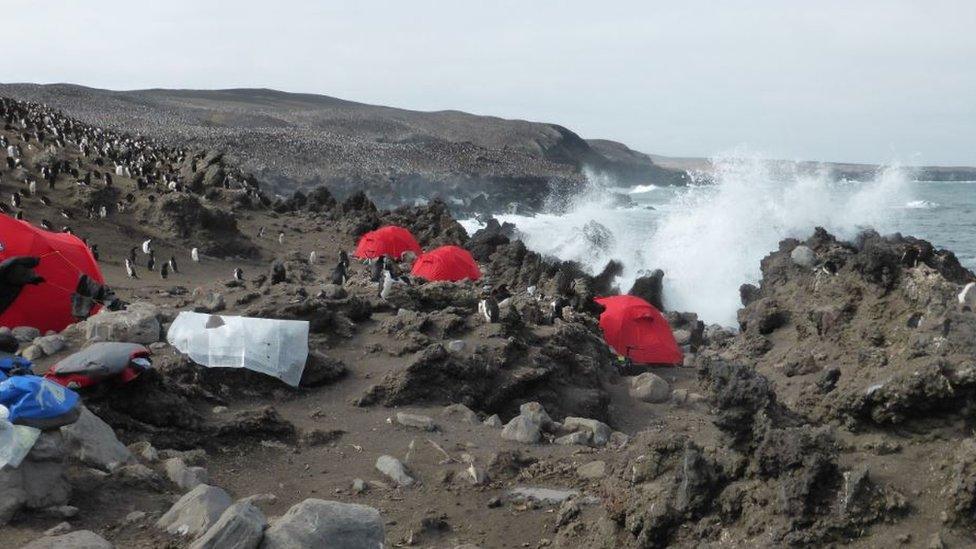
x=358, y=486
x=679, y=396
x=542, y=495
x=456, y=346
x=395, y=470
x=579, y=438
x=134, y=517
x=195, y=512
x=184, y=476
x=57, y=530
x=144, y=451
x=649, y=387
x=600, y=431
x=61, y=511
x=219, y=409
x=25, y=334
x=535, y=412
x=494, y=503
x=618, y=440
x=416, y=421
x=79, y=539
x=592, y=470
x=50, y=344
x=261, y=499
x=522, y=429
x=32, y=352
x=493, y=421
x=461, y=413
x=682, y=337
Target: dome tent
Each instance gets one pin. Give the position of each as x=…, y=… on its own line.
x=41, y=274
x=449, y=263
x=392, y=241
x=638, y=331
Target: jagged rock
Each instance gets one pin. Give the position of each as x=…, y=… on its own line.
x=185, y=477
x=485, y=240
x=537, y=413
x=145, y=451
x=79, y=539
x=416, y=421
x=241, y=526
x=650, y=288
x=91, y=441
x=319, y=523
x=196, y=511
x=321, y=369
x=762, y=316
x=549, y=496
x=460, y=413
x=493, y=421
x=25, y=334
x=334, y=291
x=433, y=296
x=802, y=256
x=32, y=352
x=523, y=429
x=649, y=387
x=579, y=438
x=395, y=470
x=599, y=431
x=138, y=323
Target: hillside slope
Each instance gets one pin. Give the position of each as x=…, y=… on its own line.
x=298, y=141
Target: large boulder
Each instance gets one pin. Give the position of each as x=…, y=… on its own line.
x=138, y=323
x=196, y=511
x=240, y=527
x=326, y=524
x=91, y=441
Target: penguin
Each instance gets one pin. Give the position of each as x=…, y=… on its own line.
x=132, y=254
x=15, y=200
x=46, y=225
x=19, y=216
x=172, y=265
x=501, y=293
x=261, y=232
x=195, y=255
x=103, y=212
x=386, y=286
x=129, y=269
x=311, y=258
x=32, y=187
x=94, y=251
x=344, y=258
x=147, y=247
x=281, y=238
x=339, y=274
x=238, y=274
x=556, y=309
x=488, y=307
x=45, y=200
x=164, y=271
x=376, y=274
x=151, y=264
x=65, y=214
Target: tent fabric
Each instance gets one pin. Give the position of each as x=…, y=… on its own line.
x=64, y=258
x=449, y=263
x=637, y=330
x=99, y=362
x=392, y=241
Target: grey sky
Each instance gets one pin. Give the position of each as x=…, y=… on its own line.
x=864, y=80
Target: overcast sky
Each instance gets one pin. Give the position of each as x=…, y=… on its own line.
x=865, y=80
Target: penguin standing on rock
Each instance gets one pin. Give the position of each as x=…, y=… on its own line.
x=376, y=274
x=488, y=307
x=339, y=274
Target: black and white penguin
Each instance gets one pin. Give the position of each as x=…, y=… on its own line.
x=151, y=263
x=311, y=258
x=15, y=200
x=19, y=215
x=46, y=225
x=488, y=308
x=147, y=247
x=65, y=214
x=344, y=258
x=238, y=274
x=164, y=271
x=130, y=269
x=195, y=255
x=339, y=274
x=132, y=254
x=556, y=309
x=45, y=200
x=281, y=238
x=173, y=266
x=376, y=273
x=94, y=251
x=261, y=232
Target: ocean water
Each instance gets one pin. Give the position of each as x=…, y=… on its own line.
x=710, y=238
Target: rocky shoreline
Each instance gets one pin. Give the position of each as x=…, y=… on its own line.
x=835, y=413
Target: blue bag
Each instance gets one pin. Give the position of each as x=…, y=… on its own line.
x=15, y=366
x=37, y=402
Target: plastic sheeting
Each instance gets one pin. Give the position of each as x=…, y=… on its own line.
x=274, y=347
x=16, y=441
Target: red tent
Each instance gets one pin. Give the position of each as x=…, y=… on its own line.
x=447, y=263
x=635, y=329
x=392, y=241
x=63, y=259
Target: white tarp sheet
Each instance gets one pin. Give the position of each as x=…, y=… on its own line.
x=16, y=441
x=278, y=348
